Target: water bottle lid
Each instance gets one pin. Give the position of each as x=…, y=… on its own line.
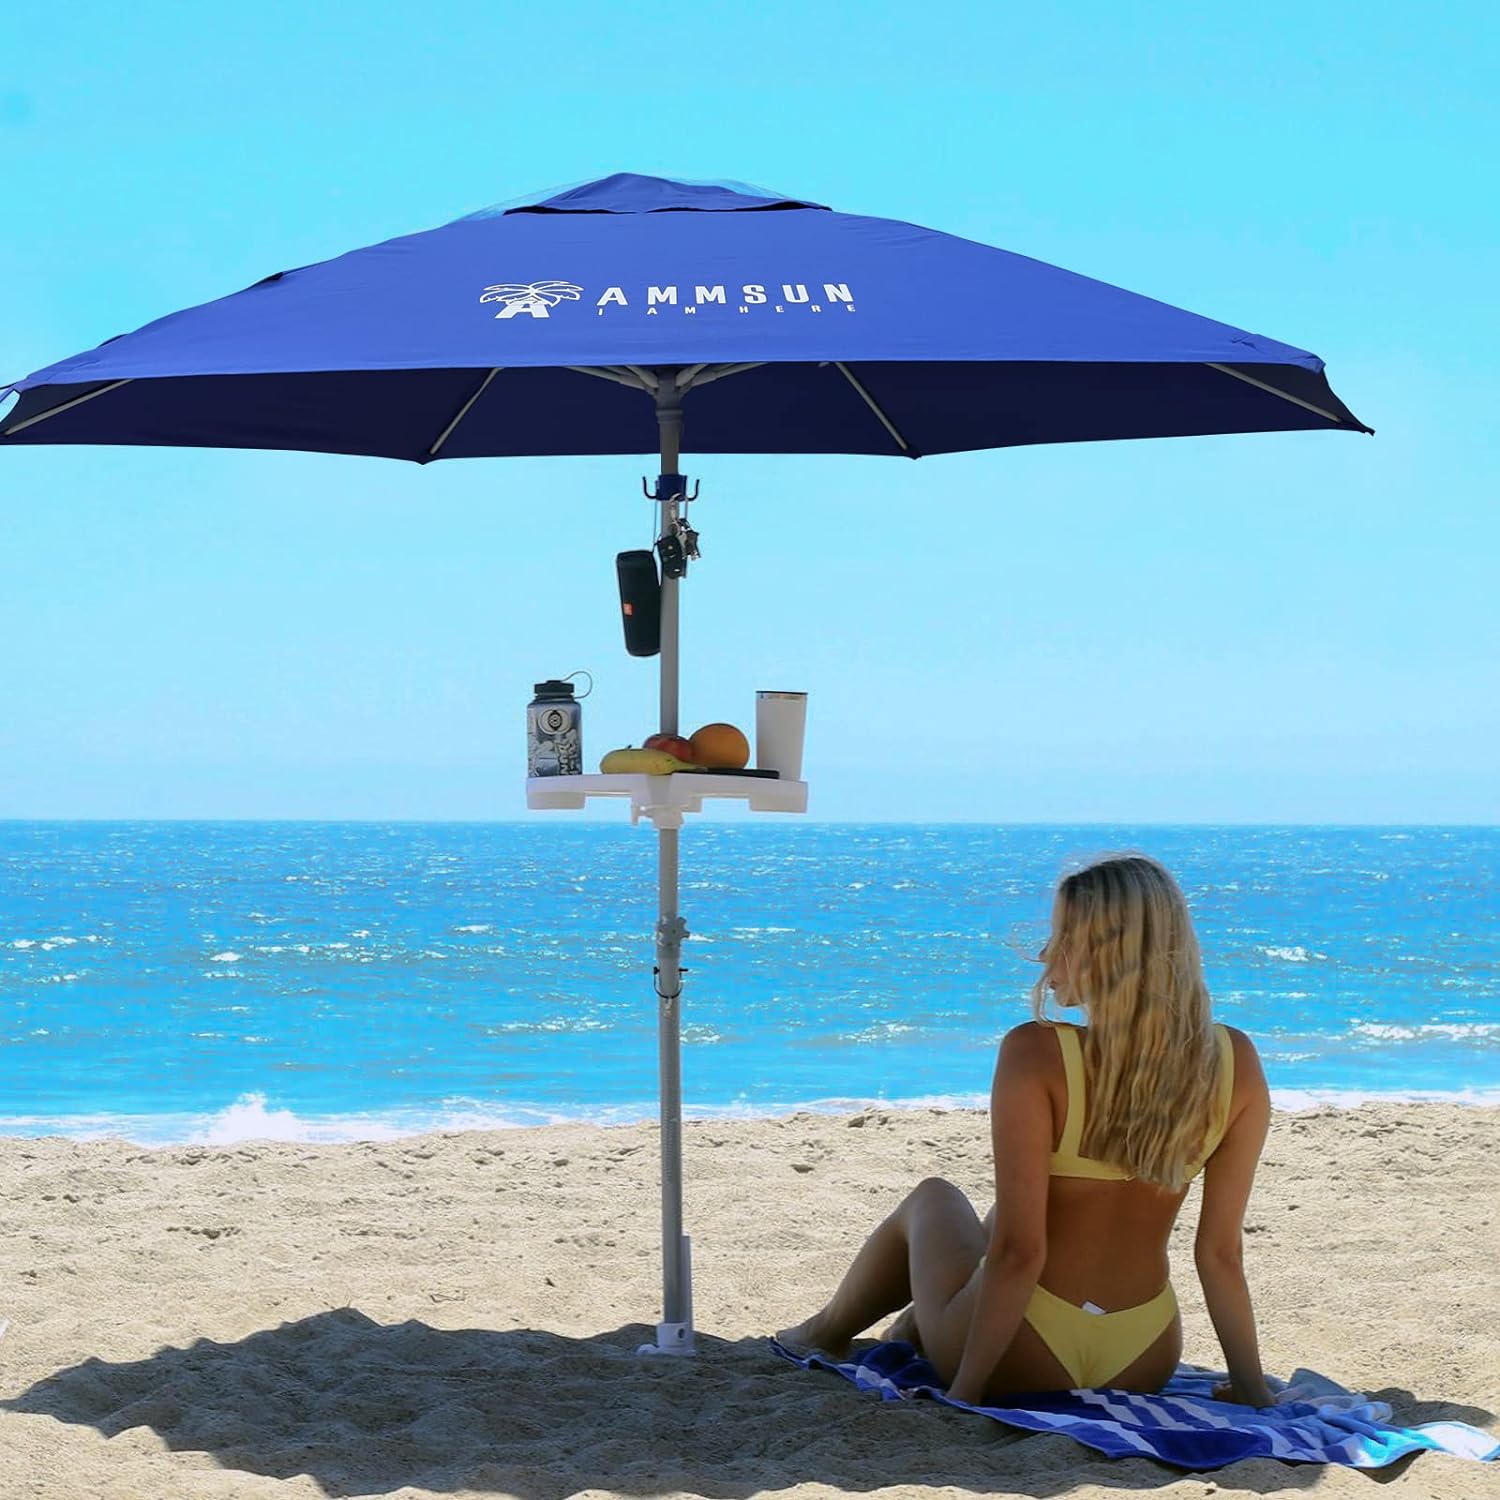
x=553, y=688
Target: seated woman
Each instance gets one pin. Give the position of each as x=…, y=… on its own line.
x=1097, y=1131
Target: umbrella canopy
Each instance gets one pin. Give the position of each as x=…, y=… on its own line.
x=846, y=334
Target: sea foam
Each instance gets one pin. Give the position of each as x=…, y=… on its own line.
x=251, y=1118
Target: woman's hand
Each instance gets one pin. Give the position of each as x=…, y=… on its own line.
x=1230, y=1390
x=971, y=1393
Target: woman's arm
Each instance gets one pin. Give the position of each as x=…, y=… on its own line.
x=1021, y=1131
x=1219, y=1250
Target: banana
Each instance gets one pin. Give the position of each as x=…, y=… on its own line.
x=631, y=761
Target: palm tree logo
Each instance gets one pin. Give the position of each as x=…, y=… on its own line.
x=537, y=298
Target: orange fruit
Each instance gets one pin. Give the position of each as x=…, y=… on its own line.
x=721, y=747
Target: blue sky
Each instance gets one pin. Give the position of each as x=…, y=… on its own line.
x=1294, y=627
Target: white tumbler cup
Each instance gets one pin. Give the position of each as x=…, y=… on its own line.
x=780, y=727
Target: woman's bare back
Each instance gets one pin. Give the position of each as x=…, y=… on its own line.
x=1107, y=1240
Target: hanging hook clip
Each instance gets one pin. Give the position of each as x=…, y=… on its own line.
x=654, y=492
x=656, y=985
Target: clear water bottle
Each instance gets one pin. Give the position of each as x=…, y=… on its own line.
x=554, y=729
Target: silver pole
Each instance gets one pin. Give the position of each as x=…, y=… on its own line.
x=669, y=424
x=674, y=1334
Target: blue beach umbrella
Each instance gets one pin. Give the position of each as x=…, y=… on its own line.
x=614, y=316
x=535, y=330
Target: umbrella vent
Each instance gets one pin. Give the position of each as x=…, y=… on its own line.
x=630, y=193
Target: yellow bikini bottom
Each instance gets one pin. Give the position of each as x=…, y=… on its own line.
x=1095, y=1347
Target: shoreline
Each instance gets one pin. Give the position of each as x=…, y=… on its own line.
x=248, y=1121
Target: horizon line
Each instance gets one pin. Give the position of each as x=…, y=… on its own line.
x=790, y=819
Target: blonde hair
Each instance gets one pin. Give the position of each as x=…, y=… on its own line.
x=1123, y=944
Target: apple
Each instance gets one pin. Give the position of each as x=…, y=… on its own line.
x=673, y=744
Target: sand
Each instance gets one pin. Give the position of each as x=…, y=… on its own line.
x=457, y=1315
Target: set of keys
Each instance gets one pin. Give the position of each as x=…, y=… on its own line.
x=677, y=547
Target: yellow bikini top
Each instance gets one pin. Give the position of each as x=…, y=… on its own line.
x=1066, y=1162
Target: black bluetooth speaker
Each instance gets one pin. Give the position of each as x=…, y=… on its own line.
x=640, y=602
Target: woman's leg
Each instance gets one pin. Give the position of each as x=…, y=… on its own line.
x=904, y=1330
x=925, y=1253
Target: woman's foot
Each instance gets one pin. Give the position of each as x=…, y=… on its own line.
x=813, y=1335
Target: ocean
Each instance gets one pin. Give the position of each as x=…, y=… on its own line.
x=219, y=981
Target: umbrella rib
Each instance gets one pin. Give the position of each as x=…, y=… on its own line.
x=53, y=411
x=638, y=378
x=871, y=402
x=703, y=374
x=463, y=411
x=609, y=372
x=1285, y=396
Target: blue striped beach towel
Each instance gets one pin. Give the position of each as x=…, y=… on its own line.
x=1315, y=1420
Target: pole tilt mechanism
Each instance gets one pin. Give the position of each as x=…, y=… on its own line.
x=671, y=934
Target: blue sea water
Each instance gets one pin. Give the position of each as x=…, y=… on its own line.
x=177, y=981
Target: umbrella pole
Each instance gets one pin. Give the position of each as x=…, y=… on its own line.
x=674, y=1334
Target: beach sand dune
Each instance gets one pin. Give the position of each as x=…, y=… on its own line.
x=458, y=1315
